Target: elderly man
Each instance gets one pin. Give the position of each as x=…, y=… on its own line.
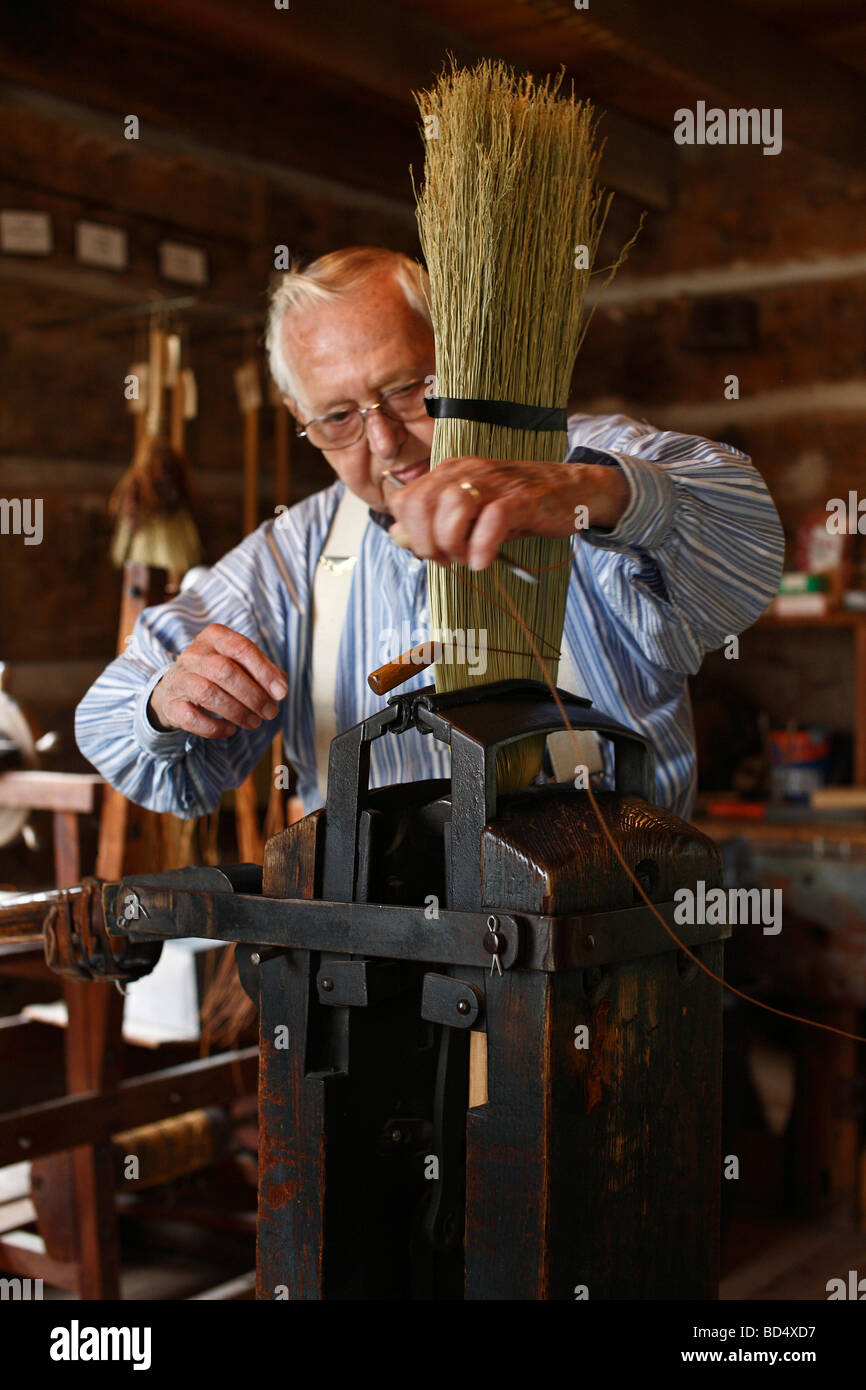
x=683, y=549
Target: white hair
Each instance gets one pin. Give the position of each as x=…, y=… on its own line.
x=331, y=278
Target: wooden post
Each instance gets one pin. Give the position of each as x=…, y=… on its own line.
x=275, y=817
x=600, y=1165
x=93, y=1042
x=92, y=1047
x=860, y=702
x=250, y=842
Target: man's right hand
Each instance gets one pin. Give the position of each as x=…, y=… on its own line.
x=221, y=682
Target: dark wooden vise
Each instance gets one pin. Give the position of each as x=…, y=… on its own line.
x=487, y=1069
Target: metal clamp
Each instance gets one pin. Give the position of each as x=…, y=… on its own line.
x=455, y=1003
x=356, y=983
x=78, y=946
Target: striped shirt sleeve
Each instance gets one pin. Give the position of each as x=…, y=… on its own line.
x=697, y=555
x=176, y=771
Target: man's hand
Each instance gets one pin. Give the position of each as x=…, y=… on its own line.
x=437, y=519
x=221, y=682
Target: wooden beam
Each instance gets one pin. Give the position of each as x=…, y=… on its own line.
x=179, y=143
x=242, y=1287
x=258, y=106
x=728, y=54
x=817, y=400
x=24, y=1253
x=66, y=792
x=860, y=688
x=393, y=50
x=324, y=90
x=387, y=48
x=91, y=1116
x=54, y=683
x=737, y=278
x=40, y=476
x=14, y=1214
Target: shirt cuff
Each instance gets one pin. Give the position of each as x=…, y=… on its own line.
x=162, y=743
x=649, y=512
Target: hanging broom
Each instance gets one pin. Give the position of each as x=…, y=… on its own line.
x=151, y=503
x=510, y=197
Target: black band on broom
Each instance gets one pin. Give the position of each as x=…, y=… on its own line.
x=510, y=217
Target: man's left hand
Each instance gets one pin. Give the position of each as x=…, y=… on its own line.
x=439, y=520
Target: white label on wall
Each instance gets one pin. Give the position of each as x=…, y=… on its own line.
x=25, y=233
x=187, y=264
x=98, y=244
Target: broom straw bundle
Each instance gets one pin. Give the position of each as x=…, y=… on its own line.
x=510, y=196
x=151, y=504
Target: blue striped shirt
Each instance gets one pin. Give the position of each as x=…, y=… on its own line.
x=694, y=559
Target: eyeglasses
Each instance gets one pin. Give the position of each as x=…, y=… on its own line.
x=339, y=429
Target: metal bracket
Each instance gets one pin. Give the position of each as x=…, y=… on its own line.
x=356, y=983
x=455, y=1003
x=78, y=944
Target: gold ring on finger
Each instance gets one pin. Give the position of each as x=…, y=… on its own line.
x=472, y=490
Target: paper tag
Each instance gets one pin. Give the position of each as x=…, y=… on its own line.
x=248, y=389
x=187, y=264
x=189, y=391
x=101, y=245
x=25, y=233
x=171, y=364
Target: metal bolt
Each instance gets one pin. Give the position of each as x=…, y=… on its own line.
x=327, y=984
x=589, y=943
x=255, y=958
x=175, y=1098
x=24, y=1142
x=463, y=1006
x=396, y=1136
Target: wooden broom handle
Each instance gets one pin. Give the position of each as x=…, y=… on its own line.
x=275, y=816
x=250, y=843
x=395, y=672
x=251, y=470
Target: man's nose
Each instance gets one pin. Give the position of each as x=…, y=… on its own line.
x=385, y=436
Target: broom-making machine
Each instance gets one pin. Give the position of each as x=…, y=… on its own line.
x=486, y=1069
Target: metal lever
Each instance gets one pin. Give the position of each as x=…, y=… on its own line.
x=443, y=1223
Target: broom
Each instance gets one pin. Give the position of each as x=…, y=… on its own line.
x=151, y=503
x=510, y=197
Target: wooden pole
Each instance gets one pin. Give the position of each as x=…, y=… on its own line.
x=250, y=843
x=275, y=818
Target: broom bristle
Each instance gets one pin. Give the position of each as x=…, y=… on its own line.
x=509, y=193
x=151, y=504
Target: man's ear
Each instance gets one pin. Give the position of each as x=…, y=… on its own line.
x=292, y=407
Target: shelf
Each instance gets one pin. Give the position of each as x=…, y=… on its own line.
x=836, y=619
x=831, y=832
x=840, y=620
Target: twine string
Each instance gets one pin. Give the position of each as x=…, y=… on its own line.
x=461, y=646
x=611, y=839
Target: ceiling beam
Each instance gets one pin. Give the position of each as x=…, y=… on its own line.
x=384, y=51
x=177, y=144
x=727, y=54
x=225, y=99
